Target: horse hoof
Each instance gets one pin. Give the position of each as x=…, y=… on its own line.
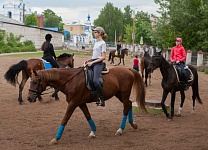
x=178, y=115
x=119, y=132
x=53, y=141
x=92, y=134
x=134, y=125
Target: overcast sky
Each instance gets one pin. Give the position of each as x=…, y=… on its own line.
x=73, y=10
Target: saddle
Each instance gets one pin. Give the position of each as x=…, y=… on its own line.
x=47, y=65
x=89, y=77
x=189, y=74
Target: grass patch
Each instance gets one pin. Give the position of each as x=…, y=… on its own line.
x=151, y=111
x=202, y=69
x=40, y=53
x=206, y=71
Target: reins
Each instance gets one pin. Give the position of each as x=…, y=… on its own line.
x=58, y=89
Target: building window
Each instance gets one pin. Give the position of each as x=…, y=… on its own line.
x=71, y=29
x=10, y=14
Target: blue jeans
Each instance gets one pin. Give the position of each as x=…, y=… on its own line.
x=182, y=65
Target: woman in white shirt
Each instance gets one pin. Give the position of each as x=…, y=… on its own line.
x=99, y=54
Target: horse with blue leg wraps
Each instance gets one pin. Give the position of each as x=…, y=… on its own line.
x=171, y=83
x=118, y=82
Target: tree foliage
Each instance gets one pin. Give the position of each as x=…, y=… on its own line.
x=51, y=19
x=188, y=21
x=31, y=20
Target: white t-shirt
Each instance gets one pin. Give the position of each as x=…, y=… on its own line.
x=98, y=49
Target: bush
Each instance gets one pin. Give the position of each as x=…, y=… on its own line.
x=202, y=69
x=206, y=71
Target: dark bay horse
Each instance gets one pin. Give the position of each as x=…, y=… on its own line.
x=171, y=85
x=29, y=67
x=145, y=61
x=118, y=82
x=123, y=52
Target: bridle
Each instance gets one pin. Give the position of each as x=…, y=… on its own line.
x=156, y=66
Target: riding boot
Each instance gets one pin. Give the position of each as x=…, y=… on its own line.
x=100, y=101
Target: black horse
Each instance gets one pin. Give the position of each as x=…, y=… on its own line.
x=145, y=61
x=171, y=84
x=122, y=55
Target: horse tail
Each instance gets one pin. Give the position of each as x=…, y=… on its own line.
x=195, y=88
x=109, y=58
x=12, y=74
x=139, y=89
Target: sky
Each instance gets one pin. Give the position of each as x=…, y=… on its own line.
x=75, y=10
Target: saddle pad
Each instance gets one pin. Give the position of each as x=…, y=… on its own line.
x=46, y=64
x=189, y=73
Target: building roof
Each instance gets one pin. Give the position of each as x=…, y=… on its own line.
x=9, y=20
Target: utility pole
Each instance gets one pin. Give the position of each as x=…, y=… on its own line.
x=23, y=13
x=133, y=32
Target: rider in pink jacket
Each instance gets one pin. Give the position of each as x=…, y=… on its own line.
x=178, y=56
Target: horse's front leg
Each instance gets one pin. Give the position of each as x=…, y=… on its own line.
x=149, y=78
x=172, y=103
x=164, y=96
x=119, y=61
x=181, y=105
x=123, y=62
x=70, y=109
x=89, y=119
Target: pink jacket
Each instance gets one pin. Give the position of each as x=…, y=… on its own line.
x=178, y=53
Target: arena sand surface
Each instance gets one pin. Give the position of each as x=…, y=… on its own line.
x=31, y=126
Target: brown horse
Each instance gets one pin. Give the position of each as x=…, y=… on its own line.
x=119, y=82
x=145, y=61
x=29, y=67
x=170, y=83
x=121, y=56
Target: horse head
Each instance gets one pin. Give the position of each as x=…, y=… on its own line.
x=155, y=62
x=37, y=86
x=66, y=60
x=125, y=51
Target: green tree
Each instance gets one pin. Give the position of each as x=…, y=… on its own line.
x=31, y=20
x=111, y=19
x=188, y=21
x=51, y=19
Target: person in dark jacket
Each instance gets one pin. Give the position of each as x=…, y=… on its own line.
x=48, y=51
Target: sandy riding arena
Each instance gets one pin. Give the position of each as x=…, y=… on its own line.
x=31, y=126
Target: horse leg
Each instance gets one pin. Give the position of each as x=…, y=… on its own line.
x=149, y=78
x=21, y=86
x=70, y=109
x=127, y=112
x=165, y=94
x=119, y=61
x=89, y=119
x=173, y=93
x=146, y=76
x=181, y=105
x=123, y=62
x=56, y=96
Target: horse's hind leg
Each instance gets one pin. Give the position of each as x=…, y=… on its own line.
x=127, y=112
x=89, y=119
x=119, y=61
x=21, y=86
x=181, y=105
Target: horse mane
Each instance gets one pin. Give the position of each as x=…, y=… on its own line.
x=64, y=55
x=49, y=74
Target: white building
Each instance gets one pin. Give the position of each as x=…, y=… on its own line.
x=14, y=9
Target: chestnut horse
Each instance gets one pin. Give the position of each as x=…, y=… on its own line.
x=145, y=61
x=123, y=52
x=171, y=85
x=29, y=67
x=118, y=82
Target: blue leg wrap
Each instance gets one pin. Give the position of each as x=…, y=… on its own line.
x=60, y=131
x=123, y=123
x=92, y=125
x=130, y=116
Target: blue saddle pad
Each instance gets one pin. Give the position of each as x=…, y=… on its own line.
x=47, y=65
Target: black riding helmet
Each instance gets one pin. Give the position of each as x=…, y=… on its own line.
x=48, y=37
